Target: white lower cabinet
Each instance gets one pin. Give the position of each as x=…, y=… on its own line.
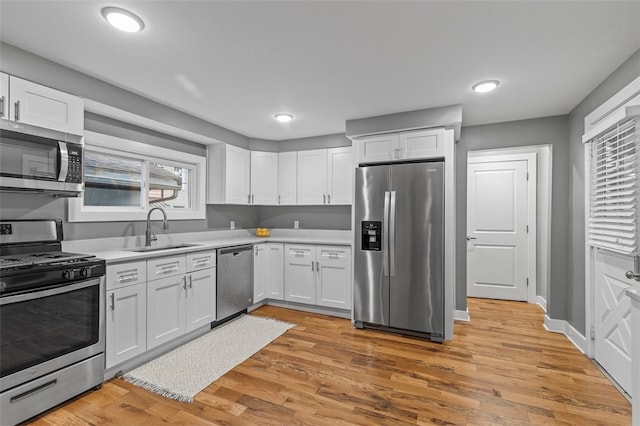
x=268, y=272
x=318, y=275
x=179, y=297
x=333, y=270
x=126, y=323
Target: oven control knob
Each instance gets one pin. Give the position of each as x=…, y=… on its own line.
x=67, y=274
x=85, y=272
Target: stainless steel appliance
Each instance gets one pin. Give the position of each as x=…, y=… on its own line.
x=42, y=160
x=399, y=248
x=234, y=280
x=51, y=320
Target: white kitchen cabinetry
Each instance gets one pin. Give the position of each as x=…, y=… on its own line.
x=260, y=271
x=184, y=299
x=419, y=144
x=268, y=267
x=333, y=271
x=4, y=95
x=126, y=323
x=318, y=275
x=325, y=176
x=31, y=103
x=275, y=274
x=264, y=178
x=287, y=177
x=340, y=175
x=228, y=175
x=299, y=273
x=312, y=176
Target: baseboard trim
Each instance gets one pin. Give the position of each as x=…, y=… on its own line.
x=541, y=301
x=462, y=315
x=563, y=327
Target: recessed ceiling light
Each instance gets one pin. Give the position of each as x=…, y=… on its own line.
x=485, y=86
x=123, y=19
x=284, y=117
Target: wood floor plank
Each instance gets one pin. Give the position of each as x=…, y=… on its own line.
x=502, y=368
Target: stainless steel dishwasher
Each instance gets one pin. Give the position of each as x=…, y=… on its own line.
x=234, y=280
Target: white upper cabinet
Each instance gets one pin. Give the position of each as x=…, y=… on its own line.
x=312, y=176
x=340, y=175
x=264, y=178
x=419, y=144
x=377, y=148
x=229, y=175
x=4, y=95
x=287, y=177
x=42, y=106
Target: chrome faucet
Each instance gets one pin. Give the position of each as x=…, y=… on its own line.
x=148, y=237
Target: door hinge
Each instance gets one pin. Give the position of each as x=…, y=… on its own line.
x=527, y=175
x=527, y=229
x=527, y=281
x=592, y=333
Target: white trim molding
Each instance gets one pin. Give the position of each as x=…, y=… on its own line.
x=542, y=302
x=563, y=327
x=461, y=315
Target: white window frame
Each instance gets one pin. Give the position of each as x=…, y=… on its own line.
x=102, y=143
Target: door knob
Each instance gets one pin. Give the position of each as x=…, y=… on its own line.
x=632, y=275
x=469, y=238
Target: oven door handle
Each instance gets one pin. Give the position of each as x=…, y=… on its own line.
x=64, y=161
x=48, y=292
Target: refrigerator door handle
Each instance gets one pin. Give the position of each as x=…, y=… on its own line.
x=385, y=235
x=392, y=235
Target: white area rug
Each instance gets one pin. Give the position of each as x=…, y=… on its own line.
x=185, y=371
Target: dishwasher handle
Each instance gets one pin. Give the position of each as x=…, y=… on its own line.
x=235, y=250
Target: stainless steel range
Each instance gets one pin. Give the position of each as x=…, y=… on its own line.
x=51, y=320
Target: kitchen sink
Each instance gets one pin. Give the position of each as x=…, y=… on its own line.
x=167, y=247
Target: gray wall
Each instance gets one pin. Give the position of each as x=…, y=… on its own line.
x=540, y=131
x=310, y=217
x=575, y=290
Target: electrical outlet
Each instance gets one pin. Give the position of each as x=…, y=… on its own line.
x=296, y=224
x=232, y=225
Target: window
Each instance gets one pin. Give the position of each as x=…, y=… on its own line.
x=124, y=179
x=613, y=221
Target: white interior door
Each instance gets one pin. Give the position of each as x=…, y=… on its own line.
x=612, y=328
x=497, y=249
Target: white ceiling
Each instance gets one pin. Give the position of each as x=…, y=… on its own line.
x=237, y=63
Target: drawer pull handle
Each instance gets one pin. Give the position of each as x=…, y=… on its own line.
x=128, y=277
x=33, y=391
x=167, y=269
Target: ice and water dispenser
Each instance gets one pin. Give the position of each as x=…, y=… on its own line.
x=371, y=235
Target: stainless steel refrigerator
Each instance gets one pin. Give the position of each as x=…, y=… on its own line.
x=399, y=248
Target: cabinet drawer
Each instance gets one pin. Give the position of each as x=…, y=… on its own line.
x=333, y=254
x=201, y=260
x=125, y=274
x=165, y=267
x=299, y=251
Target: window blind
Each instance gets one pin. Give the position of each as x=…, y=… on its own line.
x=613, y=222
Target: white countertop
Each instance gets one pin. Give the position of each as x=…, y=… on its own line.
x=118, y=249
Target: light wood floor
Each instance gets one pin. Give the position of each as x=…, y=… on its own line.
x=502, y=368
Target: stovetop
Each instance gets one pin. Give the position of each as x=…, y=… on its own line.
x=32, y=260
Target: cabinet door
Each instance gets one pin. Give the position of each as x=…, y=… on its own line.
x=334, y=277
x=260, y=271
x=4, y=96
x=126, y=323
x=340, y=175
x=299, y=274
x=264, y=178
x=237, y=175
x=287, y=177
x=43, y=106
x=422, y=144
x=165, y=310
x=312, y=176
x=377, y=148
x=275, y=275
x=200, y=298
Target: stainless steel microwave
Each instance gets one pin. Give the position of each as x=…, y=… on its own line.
x=40, y=160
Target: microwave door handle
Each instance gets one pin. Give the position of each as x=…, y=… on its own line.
x=64, y=161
